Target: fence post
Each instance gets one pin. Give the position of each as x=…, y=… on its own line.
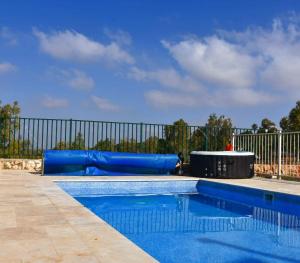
x=233, y=141
x=1, y=137
x=70, y=134
x=141, y=137
x=279, y=154
x=206, y=138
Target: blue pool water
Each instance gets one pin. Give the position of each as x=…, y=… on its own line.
x=214, y=223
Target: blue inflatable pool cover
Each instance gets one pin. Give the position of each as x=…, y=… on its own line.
x=92, y=162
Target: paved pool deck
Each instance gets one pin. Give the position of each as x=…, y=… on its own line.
x=39, y=222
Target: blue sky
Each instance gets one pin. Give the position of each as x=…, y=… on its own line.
x=151, y=61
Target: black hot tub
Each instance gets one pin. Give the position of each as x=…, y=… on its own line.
x=222, y=164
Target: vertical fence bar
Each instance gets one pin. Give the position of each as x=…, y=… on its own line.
x=206, y=139
x=28, y=141
x=279, y=154
x=19, y=137
x=141, y=136
x=51, y=134
x=9, y=145
x=127, y=138
x=89, y=135
x=32, y=137
x=24, y=137
x=14, y=141
x=37, y=139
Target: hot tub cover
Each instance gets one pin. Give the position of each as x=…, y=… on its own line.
x=92, y=162
x=222, y=153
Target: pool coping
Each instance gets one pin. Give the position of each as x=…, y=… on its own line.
x=276, y=186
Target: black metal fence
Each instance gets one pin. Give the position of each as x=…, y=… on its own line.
x=29, y=137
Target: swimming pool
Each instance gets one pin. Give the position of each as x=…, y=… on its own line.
x=197, y=221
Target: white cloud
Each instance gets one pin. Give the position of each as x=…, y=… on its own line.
x=119, y=36
x=73, y=78
x=104, y=104
x=51, y=102
x=256, y=57
x=6, y=67
x=169, y=78
x=247, y=68
x=80, y=80
x=242, y=97
x=165, y=99
x=215, y=61
x=71, y=45
x=281, y=48
x=190, y=92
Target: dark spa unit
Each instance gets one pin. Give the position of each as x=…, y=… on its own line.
x=222, y=164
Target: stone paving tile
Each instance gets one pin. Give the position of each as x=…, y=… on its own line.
x=77, y=258
x=22, y=233
x=40, y=220
x=7, y=217
x=11, y=251
x=43, y=252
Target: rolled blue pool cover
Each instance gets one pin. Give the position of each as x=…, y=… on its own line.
x=92, y=162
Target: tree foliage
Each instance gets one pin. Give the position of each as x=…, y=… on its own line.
x=198, y=140
x=150, y=144
x=292, y=121
x=254, y=127
x=219, y=131
x=8, y=111
x=127, y=145
x=177, y=136
x=10, y=146
x=9, y=114
x=77, y=144
x=267, y=126
x=105, y=145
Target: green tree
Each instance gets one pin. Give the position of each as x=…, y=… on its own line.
x=177, y=136
x=254, y=127
x=8, y=111
x=9, y=126
x=150, y=145
x=163, y=146
x=292, y=121
x=20, y=148
x=267, y=126
x=78, y=143
x=198, y=140
x=105, y=145
x=130, y=145
x=284, y=124
x=218, y=132
x=60, y=146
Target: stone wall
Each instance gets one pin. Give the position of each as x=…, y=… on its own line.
x=21, y=164
x=292, y=170
x=36, y=166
